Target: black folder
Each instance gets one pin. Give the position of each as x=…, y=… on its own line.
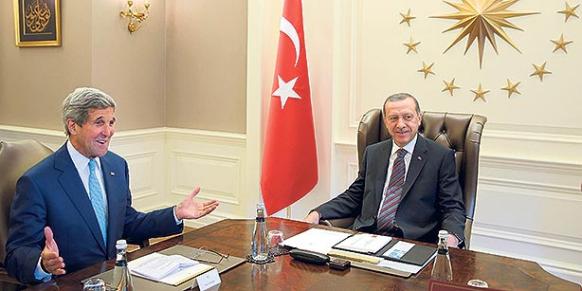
x=417, y=255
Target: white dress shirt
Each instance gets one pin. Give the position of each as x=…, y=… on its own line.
x=409, y=149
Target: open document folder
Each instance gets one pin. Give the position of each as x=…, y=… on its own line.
x=168, y=269
x=368, y=251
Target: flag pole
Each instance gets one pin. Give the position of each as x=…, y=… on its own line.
x=288, y=210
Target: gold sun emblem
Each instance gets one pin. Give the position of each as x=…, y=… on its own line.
x=483, y=19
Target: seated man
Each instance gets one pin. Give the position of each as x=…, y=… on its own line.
x=71, y=208
x=407, y=185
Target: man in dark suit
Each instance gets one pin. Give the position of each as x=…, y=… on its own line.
x=407, y=186
x=71, y=208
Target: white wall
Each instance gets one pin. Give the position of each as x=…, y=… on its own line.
x=531, y=167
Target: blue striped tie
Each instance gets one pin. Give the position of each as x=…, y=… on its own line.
x=392, y=193
x=97, y=200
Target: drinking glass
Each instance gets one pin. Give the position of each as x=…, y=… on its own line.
x=94, y=284
x=275, y=239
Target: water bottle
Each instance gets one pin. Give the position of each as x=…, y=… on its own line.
x=441, y=269
x=121, y=276
x=259, y=243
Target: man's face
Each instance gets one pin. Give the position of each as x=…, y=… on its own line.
x=402, y=121
x=92, y=138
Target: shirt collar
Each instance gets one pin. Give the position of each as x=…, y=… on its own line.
x=80, y=161
x=408, y=147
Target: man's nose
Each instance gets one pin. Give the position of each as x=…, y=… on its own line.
x=108, y=130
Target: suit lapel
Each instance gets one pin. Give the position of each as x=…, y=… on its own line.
x=73, y=186
x=382, y=169
x=416, y=164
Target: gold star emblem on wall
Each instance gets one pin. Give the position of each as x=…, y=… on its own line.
x=540, y=71
x=511, y=88
x=426, y=69
x=406, y=17
x=450, y=86
x=569, y=11
x=561, y=44
x=479, y=93
x=411, y=45
x=481, y=20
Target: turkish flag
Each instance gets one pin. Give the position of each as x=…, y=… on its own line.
x=289, y=157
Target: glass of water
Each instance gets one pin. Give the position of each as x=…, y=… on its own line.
x=94, y=284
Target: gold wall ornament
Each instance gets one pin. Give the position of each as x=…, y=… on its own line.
x=406, y=17
x=135, y=19
x=561, y=44
x=37, y=23
x=479, y=93
x=482, y=19
x=450, y=86
x=540, y=71
x=38, y=16
x=511, y=88
x=411, y=46
x=569, y=11
x=427, y=70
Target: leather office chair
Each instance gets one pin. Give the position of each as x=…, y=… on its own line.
x=460, y=132
x=15, y=159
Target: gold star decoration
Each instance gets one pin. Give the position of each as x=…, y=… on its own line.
x=561, y=44
x=483, y=19
x=426, y=69
x=569, y=11
x=479, y=93
x=450, y=86
x=411, y=45
x=406, y=17
x=540, y=71
x=511, y=88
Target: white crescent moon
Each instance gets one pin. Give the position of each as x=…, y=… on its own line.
x=288, y=29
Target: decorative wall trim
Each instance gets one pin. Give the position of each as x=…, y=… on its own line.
x=147, y=152
x=527, y=237
x=224, y=162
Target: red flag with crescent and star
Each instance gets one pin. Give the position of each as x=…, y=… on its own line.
x=289, y=168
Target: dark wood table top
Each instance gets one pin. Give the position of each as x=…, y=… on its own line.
x=233, y=237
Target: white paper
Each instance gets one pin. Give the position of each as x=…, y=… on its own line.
x=316, y=240
x=410, y=268
x=173, y=270
x=208, y=280
x=398, y=250
x=364, y=242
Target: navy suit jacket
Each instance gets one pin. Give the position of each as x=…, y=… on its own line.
x=431, y=199
x=52, y=194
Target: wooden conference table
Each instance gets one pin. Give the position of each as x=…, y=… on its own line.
x=233, y=237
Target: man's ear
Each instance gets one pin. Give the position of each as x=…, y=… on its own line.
x=72, y=127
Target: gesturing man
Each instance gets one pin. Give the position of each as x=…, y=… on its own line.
x=71, y=208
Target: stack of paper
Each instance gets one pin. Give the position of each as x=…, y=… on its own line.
x=364, y=243
x=316, y=240
x=173, y=270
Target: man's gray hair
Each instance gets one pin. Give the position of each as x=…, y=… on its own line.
x=400, y=97
x=78, y=104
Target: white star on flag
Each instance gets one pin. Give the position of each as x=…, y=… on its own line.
x=285, y=91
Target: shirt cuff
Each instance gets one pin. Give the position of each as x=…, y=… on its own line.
x=461, y=243
x=40, y=274
x=178, y=221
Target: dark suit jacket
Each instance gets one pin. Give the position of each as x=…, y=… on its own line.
x=431, y=198
x=52, y=194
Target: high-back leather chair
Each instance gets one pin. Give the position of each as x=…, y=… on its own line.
x=460, y=132
x=15, y=159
